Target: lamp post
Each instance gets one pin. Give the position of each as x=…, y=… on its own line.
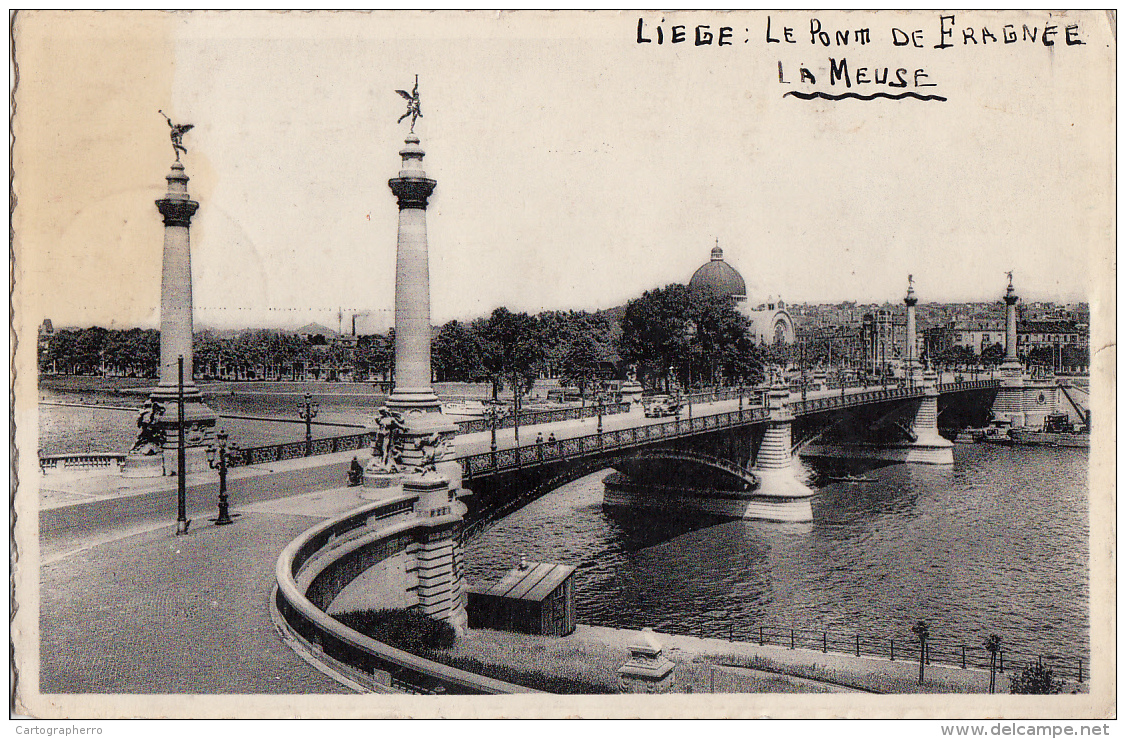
x=922, y=633
x=600, y=399
x=182, y=522
x=308, y=411
x=515, y=412
x=492, y=413
x=218, y=457
x=801, y=366
x=692, y=332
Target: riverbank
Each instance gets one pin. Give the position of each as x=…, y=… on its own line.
x=589, y=659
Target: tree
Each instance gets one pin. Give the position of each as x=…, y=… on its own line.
x=456, y=353
x=373, y=355
x=993, y=646
x=339, y=358
x=580, y=365
x=136, y=352
x=510, y=350
x=60, y=351
x=922, y=633
x=718, y=337
x=209, y=352
x=88, y=349
x=994, y=354
x=956, y=355
x=1035, y=679
x=750, y=362
x=559, y=330
x=655, y=329
x=1073, y=355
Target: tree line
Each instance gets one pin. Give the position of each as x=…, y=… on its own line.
x=670, y=335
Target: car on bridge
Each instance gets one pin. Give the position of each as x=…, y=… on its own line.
x=660, y=406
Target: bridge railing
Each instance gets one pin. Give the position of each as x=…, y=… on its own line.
x=297, y=449
x=718, y=394
x=592, y=444
x=535, y=453
x=533, y=418
x=829, y=402
x=953, y=387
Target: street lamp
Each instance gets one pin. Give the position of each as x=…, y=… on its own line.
x=308, y=411
x=600, y=399
x=182, y=521
x=492, y=413
x=218, y=457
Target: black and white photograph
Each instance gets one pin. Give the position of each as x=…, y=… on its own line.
x=550, y=364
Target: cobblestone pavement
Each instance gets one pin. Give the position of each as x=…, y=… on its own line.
x=157, y=613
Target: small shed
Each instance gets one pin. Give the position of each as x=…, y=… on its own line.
x=532, y=598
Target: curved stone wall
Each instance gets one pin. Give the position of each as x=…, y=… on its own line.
x=321, y=562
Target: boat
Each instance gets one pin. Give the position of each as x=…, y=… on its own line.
x=1026, y=437
x=997, y=432
x=968, y=436
x=1057, y=431
x=996, y=435
x=851, y=478
x=469, y=408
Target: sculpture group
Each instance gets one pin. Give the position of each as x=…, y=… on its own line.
x=387, y=451
x=150, y=439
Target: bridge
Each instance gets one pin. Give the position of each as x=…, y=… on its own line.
x=740, y=452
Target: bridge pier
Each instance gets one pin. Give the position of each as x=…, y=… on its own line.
x=923, y=445
x=928, y=446
x=780, y=496
x=441, y=594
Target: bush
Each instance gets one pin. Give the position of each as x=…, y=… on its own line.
x=410, y=631
x=1035, y=679
x=548, y=683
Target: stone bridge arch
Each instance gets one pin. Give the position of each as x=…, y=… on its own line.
x=734, y=477
x=650, y=462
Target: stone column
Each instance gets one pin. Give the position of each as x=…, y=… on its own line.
x=176, y=325
x=413, y=398
x=911, y=355
x=1011, y=327
x=780, y=496
x=1009, y=403
x=412, y=393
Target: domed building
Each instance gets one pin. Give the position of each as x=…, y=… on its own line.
x=719, y=277
x=770, y=323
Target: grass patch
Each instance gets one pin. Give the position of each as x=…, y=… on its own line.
x=876, y=682
x=572, y=667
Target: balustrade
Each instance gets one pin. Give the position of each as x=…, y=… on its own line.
x=80, y=461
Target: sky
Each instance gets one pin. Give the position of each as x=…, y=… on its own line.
x=576, y=167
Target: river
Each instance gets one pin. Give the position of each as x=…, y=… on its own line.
x=998, y=543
